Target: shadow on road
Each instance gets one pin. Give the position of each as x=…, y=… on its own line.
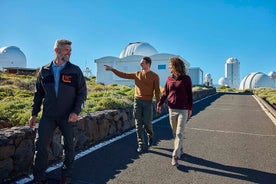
x=104, y=164
x=241, y=173
x=214, y=168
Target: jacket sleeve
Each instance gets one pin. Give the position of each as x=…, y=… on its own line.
x=157, y=88
x=38, y=95
x=189, y=93
x=165, y=94
x=123, y=75
x=81, y=93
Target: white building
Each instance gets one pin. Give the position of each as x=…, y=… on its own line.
x=196, y=75
x=208, y=81
x=256, y=80
x=12, y=57
x=232, y=72
x=129, y=61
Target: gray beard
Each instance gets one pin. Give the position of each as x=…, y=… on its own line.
x=63, y=59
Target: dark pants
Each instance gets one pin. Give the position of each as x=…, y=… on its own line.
x=45, y=132
x=143, y=117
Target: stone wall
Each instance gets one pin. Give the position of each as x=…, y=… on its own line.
x=17, y=144
x=16, y=151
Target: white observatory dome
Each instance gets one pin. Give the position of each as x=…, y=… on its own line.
x=12, y=56
x=232, y=60
x=272, y=74
x=138, y=48
x=208, y=76
x=256, y=80
x=223, y=81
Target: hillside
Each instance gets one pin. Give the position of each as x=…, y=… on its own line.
x=16, y=95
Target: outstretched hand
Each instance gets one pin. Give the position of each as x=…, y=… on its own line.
x=107, y=67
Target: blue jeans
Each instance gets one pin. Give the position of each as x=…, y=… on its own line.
x=45, y=132
x=143, y=116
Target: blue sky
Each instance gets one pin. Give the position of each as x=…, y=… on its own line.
x=204, y=32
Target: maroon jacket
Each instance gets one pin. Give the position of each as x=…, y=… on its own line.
x=178, y=91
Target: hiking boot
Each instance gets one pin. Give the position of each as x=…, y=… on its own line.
x=175, y=161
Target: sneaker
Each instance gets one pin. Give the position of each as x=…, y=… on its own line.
x=150, y=140
x=140, y=149
x=175, y=161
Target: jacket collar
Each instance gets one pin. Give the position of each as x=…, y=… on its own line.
x=177, y=78
x=49, y=65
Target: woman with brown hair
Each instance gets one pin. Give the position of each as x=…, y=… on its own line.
x=178, y=92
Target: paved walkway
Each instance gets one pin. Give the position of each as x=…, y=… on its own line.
x=229, y=139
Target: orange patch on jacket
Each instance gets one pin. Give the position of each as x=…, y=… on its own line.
x=66, y=78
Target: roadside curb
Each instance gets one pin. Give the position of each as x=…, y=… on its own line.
x=271, y=112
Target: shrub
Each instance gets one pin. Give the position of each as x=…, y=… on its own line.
x=16, y=109
x=6, y=91
x=16, y=95
x=268, y=94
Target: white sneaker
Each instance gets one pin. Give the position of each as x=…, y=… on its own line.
x=175, y=161
x=140, y=149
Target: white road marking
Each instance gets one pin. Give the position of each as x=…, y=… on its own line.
x=229, y=132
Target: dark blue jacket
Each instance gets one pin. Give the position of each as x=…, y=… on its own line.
x=71, y=96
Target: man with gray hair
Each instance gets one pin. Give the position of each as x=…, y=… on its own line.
x=61, y=89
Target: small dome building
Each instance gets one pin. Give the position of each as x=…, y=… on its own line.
x=138, y=48
x=223, y=81
x=12, y=56
x=208, y=79
x=272, y=74
x=256, y=80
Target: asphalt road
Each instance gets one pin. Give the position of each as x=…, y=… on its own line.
x=229, y=139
